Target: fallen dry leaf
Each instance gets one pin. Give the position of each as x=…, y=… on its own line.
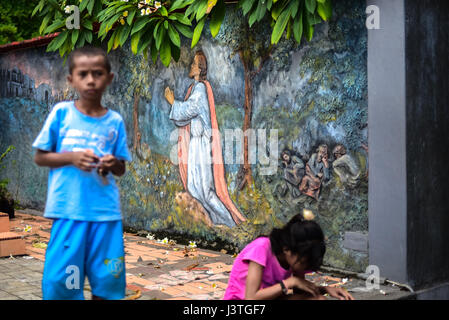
x=40, y=245
x=189, y=268
x=135, y=296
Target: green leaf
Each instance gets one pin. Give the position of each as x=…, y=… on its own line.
x=165, y=53
x=311, y=5
x=82, y=40
x=325, y=10
x=179, y=4
x=261, y=9
x=185, y=30
x=88, y=36
x=83, y=5
x=75, y=35
x=90, y=6
x=308, y=28
x=182, y=19
x=58, y=41
x=289, y=29
x=166, y=25
x=295, y=6
x=111, y=40
x=163, y=11
x=87, y=24
x=217, y=17
x=38, y=7
x=134, y=42
x=130, y=17
x=140, y=23
x=280, y=25
x=160, y=37
x=278, y=9
x=124, y=34
x=54, y=26
x=154, y=52
x=44, y=23
x=201, y=11
x=197, y=32
x=175, y=52
x=174, y=36
x=246, y=5
x=252, y=18
x=145, y=41
x=298, y=28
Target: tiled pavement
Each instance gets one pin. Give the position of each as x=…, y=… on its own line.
x=159, y=270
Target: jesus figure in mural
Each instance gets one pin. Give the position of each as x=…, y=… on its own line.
x=199, y=149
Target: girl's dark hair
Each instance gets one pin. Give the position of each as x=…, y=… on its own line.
x=303, y=238
x=88, y=51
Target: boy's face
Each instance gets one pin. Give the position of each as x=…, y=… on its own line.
x=89, y=77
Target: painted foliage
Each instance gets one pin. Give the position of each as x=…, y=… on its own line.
x=311, y=100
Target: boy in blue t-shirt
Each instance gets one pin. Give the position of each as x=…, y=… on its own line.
x=84, y=144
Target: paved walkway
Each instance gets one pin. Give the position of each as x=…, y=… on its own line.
x=155, y=269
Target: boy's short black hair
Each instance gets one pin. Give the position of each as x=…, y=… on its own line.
x=303, y=238
x=88, y=51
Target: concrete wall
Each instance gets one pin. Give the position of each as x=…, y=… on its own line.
x=408, y=122
x=387, y=126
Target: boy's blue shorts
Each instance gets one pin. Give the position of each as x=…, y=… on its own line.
x=83, y=248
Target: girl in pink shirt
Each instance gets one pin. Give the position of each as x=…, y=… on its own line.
x=273, y=267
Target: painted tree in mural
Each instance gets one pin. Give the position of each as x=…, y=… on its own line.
x=156, y=27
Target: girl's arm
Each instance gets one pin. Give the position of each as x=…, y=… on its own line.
x=254, y=279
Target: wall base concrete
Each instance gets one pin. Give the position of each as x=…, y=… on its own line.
x=440, y=292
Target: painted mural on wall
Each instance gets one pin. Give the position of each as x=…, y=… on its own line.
x=194, y=173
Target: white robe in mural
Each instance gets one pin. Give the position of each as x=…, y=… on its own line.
x=200, y=179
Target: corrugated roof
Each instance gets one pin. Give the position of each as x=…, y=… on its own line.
x=31, y=43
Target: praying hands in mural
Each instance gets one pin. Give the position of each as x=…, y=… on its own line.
x=200, y=156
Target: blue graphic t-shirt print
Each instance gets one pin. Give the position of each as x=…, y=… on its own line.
x=73, y=193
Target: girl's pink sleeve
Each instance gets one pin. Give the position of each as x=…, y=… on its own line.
x=258, y=252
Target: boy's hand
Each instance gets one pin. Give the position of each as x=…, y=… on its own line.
x=111, y=163
x=85, y=160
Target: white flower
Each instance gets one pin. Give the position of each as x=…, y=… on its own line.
x=142, y=12
x=150, y=237
x=67, y=9
x=27, y=228
x=157, y=4
x=192, y=244
x=165, y=241
x=148, y=11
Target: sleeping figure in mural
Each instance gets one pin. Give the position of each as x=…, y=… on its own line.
x=317, y=171
x=293, y=168
x=200, y=156
x=345, y=167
